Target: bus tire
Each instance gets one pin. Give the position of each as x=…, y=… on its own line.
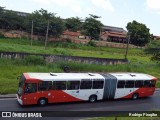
x=42, y=101
x=135, y=96
x=93, y=98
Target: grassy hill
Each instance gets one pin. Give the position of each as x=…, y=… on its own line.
x=10, y=69
x=67, y=48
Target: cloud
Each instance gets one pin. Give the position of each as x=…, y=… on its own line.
x=154, y=5
x=46, y=2
x=62, y=2
x=76, y=8
x=103, y=4
x=90, y=10
x=73, y=5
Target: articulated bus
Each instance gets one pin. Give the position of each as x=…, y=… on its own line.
x=43, y=88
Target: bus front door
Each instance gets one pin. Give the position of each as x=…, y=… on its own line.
x=30, y=94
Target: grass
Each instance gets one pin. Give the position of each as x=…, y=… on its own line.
x=10, y=69
x=67, y=48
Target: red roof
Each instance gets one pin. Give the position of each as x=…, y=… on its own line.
x=114, y=34
x=78, y=33
x=157, y=37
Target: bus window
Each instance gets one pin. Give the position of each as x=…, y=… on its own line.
x=59, y=85
x=31, y=88
x=98, y=84
x=138, y=84
x=86, y=84
x=129, y=84
x=121, y=84
x=153, y=83
x=73, y=85
x=147, y=83
x=45, y=85
x=21, y=85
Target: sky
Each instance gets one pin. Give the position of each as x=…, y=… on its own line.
x=115, y=13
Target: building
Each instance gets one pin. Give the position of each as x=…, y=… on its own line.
x=73, y=35
x=24, y=14
x=114, y=34
x=156, y=37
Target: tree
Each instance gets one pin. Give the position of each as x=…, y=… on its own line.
x=1, y=16
x=73, y=24
x=92, y=27
x=40, y=19
x=10, y=20
x=153, y=49
x=56, y=27
x=139, y=33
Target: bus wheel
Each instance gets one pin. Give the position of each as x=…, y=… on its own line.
x=42, y=101
x=135, y=96
x=93, y=98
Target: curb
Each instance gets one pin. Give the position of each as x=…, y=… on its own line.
x=8, y=96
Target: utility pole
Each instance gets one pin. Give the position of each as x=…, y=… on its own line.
x=128, y=40
x=100, y=35
x=32, y=33
x=47, y=35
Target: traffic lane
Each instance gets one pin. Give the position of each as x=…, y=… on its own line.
x=143, y=104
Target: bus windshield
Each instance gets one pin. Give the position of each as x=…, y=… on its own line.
x=21, y=85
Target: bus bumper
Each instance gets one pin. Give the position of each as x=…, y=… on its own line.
x=19, y=100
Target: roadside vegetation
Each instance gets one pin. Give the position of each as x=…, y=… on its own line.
x=68, y=48
x=11, y=68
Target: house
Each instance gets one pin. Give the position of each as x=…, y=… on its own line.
x=156, y=37
x=114, y=34
x=73, y=35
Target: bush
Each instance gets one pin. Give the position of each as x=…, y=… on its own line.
x=34, y=60
x=62, y=51
x=1, y=35
x=91, y=43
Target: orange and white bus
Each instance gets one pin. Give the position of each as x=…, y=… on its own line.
x=43, y=88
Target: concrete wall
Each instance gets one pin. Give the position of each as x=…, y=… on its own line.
x=55, y=58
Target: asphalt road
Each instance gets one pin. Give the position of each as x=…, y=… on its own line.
x=85, y=109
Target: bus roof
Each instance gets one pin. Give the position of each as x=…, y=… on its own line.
x=63, y=76
x=132, y=76
x=79, y=76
